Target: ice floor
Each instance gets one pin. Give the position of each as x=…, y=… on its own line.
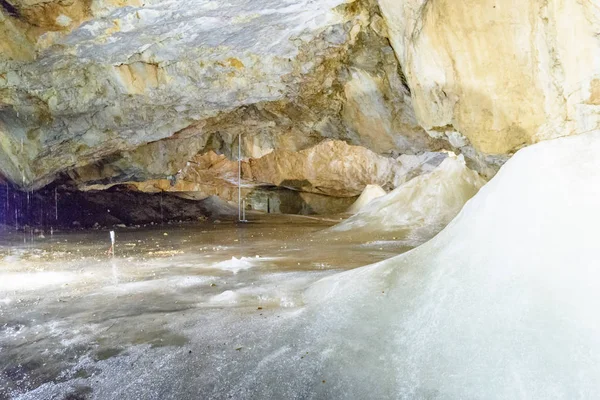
x=171, y=315
x=502, y=304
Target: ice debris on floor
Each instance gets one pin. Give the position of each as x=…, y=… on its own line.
x=236, y=265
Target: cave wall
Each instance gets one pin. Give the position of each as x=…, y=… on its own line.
x=499, y=75
x=141, y=88
x=109, y=92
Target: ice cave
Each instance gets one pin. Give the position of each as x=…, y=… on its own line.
x=299, y=199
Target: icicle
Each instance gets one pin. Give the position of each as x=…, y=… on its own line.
x=111, y=250
x=7, y=206
x=240, y=177
x=244, y=211
x=55, y=205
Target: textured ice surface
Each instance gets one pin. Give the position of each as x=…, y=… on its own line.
x=415, y=165
x=502, y=304
x=237, y=264
x=370, y=193
x=166, y=316
x=33, y=280
x=416, y=210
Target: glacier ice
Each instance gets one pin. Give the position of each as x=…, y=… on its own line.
x=370, y=193
x=502, y=304
x=416, y=210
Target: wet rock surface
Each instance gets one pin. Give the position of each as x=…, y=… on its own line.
x=39, y=212
x=143, y=87
x=495, y=77
x=62, y=208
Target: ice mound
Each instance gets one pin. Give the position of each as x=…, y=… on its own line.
x=418, y=209
x=502, y=304
x=370, y=193
x=228, y=297
x=235, y=265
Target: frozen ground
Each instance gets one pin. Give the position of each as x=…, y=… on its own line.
x=172, y=315
x=502, y=304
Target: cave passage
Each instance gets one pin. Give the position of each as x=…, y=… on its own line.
x=73, y=317
x=299, y=199
x=97, y=286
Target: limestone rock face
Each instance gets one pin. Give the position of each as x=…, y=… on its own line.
x=204, y=176
x=129, y=91
x=101, y=82
x=333, y=168
x=32, y=25
x=212, y=175
x=499, y=74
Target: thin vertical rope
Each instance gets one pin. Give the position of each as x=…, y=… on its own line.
x=240, y=177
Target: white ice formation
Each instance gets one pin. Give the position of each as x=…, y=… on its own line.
x=370, y=193
x=416, y=210
x=502, y=304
